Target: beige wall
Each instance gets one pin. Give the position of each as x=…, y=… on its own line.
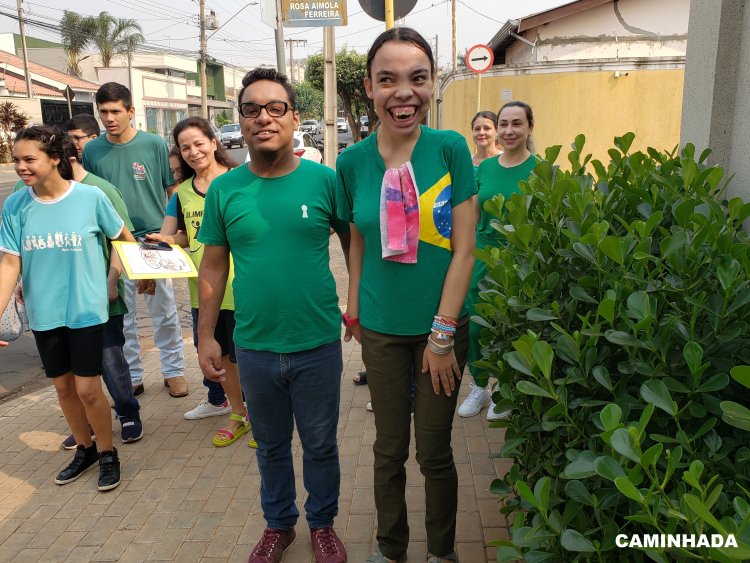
x=595, y=103
x=644, y=28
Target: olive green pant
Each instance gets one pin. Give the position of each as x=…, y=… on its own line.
x=392, y=361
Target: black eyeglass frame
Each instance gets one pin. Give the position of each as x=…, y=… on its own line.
x=261, y=107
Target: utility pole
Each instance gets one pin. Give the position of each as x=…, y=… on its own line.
x=453, y=38
x=291, y=43
x=29, y=93
x=279, y=36
x=331, y=147
x=204, y=92
x=388, y=6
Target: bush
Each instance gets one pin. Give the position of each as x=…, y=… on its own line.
x=12, y=120
x=617, y=321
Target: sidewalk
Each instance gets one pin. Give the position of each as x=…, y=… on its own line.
x=182, y=499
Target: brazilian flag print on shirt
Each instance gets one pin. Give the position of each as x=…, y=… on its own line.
x=396, y=298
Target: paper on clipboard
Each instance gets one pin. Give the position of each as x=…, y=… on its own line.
x=145, y=263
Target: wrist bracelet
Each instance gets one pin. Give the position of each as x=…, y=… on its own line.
x=440, y=349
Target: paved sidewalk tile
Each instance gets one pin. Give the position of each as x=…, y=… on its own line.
x=181, y=499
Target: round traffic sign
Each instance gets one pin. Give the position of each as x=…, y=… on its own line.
x=479, y=58
x=376, y=8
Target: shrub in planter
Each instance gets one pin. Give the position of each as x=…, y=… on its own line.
x=617, y=321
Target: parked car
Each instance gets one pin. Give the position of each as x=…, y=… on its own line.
x=342, y=125
x=304, y=147
x=217, y=132
x=231, y=135
x=364, y=126
x=311, y=126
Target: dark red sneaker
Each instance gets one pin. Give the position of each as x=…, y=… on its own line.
x=327, y=546
x=272, y=546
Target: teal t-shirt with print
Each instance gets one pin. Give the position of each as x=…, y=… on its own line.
x=278, y=232
x=62, y=263
x=397, y=298
x=140, y=170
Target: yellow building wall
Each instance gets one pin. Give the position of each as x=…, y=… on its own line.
x=646, y=102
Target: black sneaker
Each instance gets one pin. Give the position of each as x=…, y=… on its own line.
x=132, y=429
x=84, y=459
x=70, y=442
x=109, y=470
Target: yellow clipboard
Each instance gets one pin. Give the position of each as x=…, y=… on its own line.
x=142, y=263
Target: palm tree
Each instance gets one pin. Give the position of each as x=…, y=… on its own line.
x=115, y=36
x=76, y=31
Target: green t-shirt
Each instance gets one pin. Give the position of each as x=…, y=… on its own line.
x=278, y=231
x=493, y=179
x=140, y=170
x=398, y=298
x=190, y=205
x=118, y=306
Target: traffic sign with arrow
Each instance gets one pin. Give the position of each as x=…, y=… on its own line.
x=479, y=58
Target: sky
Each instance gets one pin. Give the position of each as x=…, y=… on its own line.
x=245, y=41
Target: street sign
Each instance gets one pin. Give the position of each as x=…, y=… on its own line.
x=376, y=8
x=479, y=58
x=313, y=13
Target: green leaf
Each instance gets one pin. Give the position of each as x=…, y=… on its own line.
x=581, y=467
x=654, y=391
x=623, y=445
x=727, y=269
x=716, y=382
x=612, y=249
x=575, y=541
x=627, y=488
x=580, y=294
x=735, y=414
x=638, y=305
x=541, y=492
x=608, y=468
x=577, y=491
x=601, y=374
x=610, y=416
x=535, y=314
x=700, y=509
x=741, y=374
x=505, y=554
x=518, y=363
x=693, y=354
x=607, y=310
x=543, y=355
x=652, y=455
x=528, y=388
x=525, y=493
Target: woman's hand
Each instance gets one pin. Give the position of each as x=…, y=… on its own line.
x=443, y=369
x=355, y=331
x=156, y=237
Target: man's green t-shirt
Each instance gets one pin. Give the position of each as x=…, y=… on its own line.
x=278, y=231
x=140, y=170
x=118, y=306
x=398, y=298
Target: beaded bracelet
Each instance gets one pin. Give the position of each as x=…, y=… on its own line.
x=443, y=328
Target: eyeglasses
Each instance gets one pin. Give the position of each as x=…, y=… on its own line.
x=273, y=108
x=79, y=137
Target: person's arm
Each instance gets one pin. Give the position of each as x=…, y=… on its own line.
x=212, y=282
x=345, y=239
x=443, y=367
x=356, y=252
x=10, y=268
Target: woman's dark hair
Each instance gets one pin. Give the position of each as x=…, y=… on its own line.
x=50, y=140
x=491, y=115
x=405, y=34
x=529, y=118
x=221, y=155
x=114, y=92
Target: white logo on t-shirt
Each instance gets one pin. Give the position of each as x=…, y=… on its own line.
x=66, y=241
x=304, y=212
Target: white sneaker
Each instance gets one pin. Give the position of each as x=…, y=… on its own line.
x=477, y=398
x=369, y=406
x=492, y=415
x=206, y=409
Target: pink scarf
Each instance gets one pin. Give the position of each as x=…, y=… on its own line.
x=399, y=215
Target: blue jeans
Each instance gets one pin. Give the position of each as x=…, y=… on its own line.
x=281, y=389
x=167, y=332
x=115, y=370
x=216, y=394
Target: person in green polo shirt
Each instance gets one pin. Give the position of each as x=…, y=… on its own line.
x=408, y=192
x=275, y=215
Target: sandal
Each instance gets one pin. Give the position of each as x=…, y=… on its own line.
x=360, y=378
x=378, y=557
x=226, y=437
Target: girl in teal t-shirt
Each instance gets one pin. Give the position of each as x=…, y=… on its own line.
x=499, y=175
x=51, y=231
x=408, y=192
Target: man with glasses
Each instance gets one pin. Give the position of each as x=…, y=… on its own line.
x=274, y=215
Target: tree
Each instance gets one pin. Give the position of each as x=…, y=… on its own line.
x=309, y=101
x=115, y=36
x=12, y=120
x=351, y=69
x=76, y=32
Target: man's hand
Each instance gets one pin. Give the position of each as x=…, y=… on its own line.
x=209, y=359
x=146, y=286
x=355, y=331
